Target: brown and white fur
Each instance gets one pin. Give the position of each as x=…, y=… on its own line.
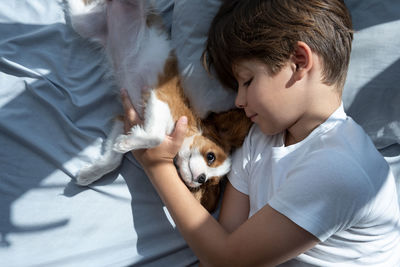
x=144, y=63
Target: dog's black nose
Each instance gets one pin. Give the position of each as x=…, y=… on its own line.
x=201, y=179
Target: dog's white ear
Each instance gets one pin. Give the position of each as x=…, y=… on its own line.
x=89, y=21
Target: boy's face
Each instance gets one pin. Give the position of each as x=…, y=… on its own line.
x=274, y=102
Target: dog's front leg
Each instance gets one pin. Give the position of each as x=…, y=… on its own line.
x=106, y=163
x=158, y=122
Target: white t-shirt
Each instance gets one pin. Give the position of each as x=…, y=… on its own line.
x=334, y=184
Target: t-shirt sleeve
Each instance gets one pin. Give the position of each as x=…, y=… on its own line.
x=327, y=194
x=239, y=174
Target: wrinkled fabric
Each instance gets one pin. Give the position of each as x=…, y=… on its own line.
x=57, y=105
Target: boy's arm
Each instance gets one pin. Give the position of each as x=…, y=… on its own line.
x=267, y=238
x=234, y=209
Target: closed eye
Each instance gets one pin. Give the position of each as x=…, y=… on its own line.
x=247, y=84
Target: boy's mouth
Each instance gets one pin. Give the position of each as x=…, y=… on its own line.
x=251, y=117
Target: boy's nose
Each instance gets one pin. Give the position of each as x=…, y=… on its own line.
x=240, y=100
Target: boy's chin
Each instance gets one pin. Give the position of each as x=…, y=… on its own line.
x=268, y=130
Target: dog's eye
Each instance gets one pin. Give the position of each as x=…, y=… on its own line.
x=210, y=158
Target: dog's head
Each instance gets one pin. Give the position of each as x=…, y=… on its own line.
x=205, y=158
x=201, y=160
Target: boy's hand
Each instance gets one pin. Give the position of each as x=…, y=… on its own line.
x=163, y=153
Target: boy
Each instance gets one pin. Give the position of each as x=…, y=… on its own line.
x=308, y=188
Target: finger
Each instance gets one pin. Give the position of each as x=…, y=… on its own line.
x=131, y=116
x=127, y=126
x=180, y=130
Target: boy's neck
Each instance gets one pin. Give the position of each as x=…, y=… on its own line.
x=325, y=102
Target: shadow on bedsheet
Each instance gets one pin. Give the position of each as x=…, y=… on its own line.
x=16, y=181
x=42, y=119
x=368, y=13
x=16, y=178
x=57, y=122
x=158, y=240
x=375, y=107
x=25, y=161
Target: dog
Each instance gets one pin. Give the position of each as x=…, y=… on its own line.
x=143, y=61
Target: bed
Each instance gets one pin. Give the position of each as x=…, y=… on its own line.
x=57, y=105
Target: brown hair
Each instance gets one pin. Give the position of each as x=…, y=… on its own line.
x=268, y=30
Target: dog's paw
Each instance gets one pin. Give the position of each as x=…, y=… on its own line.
x=87, y=175
x=124, y=143
x=137, y=139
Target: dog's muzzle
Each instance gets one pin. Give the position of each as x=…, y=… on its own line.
x=201, y=179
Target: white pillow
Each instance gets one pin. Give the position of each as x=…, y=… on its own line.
x=191, y=20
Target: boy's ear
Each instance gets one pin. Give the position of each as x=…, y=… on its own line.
x=302, y=60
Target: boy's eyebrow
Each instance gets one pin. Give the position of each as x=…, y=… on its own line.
x=237, y=69
x=238, y=74
x=241, y=73
x=235, y=72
